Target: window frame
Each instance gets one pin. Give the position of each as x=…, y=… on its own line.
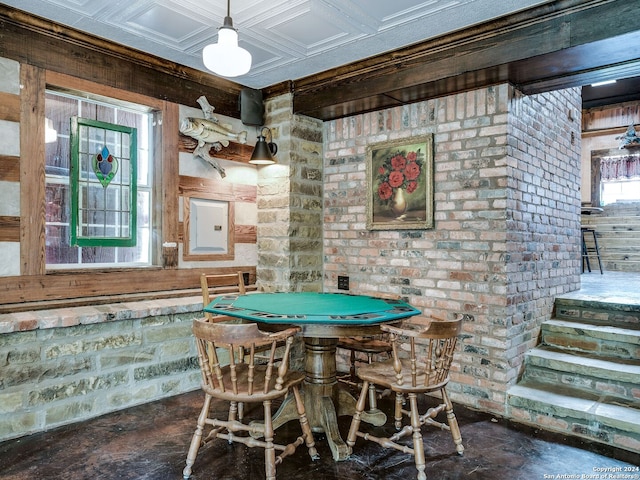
x=163, y=234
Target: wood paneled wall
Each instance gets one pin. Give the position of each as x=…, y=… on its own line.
x=40, y=67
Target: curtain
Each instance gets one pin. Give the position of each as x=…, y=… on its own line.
x=620, y=167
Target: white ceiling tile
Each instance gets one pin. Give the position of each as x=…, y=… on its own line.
x=288, y=39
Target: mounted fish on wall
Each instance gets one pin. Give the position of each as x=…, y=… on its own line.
x=209, y=132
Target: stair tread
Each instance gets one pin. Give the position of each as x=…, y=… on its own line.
x=612, y=414
x=600, y=331
x=622, y=370
x=631, y=366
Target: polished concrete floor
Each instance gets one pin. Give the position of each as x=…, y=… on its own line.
x=151, y=441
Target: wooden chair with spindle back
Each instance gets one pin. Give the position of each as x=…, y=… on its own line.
x=363, y=349
x=226, y=353
x=422, y=352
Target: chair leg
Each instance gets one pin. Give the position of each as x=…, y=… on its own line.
x=304, y=425
x=398, y=411
x=269, y=451
x=373, y=401
x=418, y=445
x=355, y=421
x=453, y=422
x=197, y=437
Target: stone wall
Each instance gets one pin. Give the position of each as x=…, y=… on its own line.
x=290, y=203
x=506, y=188
x=112, y=358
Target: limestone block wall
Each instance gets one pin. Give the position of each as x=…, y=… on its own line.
x=106, y=359
x=506, y=188
x=290, y=203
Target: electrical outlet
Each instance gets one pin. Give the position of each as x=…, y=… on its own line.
x=343, y=283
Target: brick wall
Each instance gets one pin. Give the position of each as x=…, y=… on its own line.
x=55, y=376
x=506, y=194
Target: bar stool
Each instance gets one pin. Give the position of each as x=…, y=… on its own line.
x=588, y=251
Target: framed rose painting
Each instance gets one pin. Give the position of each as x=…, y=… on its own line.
x=400, y=184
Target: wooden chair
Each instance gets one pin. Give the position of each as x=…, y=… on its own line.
x=242, y=381
x=422, y=366
x=363, y=349
x=216, y=284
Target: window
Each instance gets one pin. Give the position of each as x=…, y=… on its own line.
x=103, y=212
x=625, y=190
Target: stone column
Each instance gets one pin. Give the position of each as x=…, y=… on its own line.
x=290, y=203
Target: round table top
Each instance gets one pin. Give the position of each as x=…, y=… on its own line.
x=311, y=308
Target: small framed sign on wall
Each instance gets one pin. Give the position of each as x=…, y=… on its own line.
x=400, y=184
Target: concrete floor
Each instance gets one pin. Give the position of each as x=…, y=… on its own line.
x=151, y=441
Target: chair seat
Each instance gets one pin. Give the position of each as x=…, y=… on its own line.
x=231, y=372
x=364, y=344
x=422, y=351
x=384, y=375
x=242, y=375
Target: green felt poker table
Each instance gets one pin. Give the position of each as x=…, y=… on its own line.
x=322, y=318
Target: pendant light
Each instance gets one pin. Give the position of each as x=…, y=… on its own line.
x=263, y=152
x=226, y=58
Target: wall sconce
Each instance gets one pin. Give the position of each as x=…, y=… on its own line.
x=264, y=151
x=50, y=133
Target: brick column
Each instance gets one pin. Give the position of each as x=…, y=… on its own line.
x=290, y=203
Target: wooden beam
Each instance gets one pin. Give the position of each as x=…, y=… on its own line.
x=60, y=286
x=169, y=170
x=32, y=171
x=9, y=107
x=9, y=168
x=52, y=46
x=554, y=45
x=246, y=234
x=9, y=229
x=234, y=191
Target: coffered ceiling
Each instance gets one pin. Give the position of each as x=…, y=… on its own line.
x=342, y=57
x=288, y=39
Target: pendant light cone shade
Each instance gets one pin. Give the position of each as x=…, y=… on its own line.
x=226, y=58
x=263, y=151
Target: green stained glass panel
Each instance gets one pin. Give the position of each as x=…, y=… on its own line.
x=103, y=163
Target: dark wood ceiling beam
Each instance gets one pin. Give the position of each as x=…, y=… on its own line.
x=35, y=41
x=551, y=46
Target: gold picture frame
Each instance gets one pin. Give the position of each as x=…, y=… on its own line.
x=399, y=180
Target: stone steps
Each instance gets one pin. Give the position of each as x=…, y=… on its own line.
x=583, y=379
x=614, y=312
x=591, y=339
x=563, y=410
x=615, y=379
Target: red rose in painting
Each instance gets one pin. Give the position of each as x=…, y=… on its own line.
x=399, y=170
x=384, y=191
x=398, y=163
x=395, y=179
x=412, y=171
